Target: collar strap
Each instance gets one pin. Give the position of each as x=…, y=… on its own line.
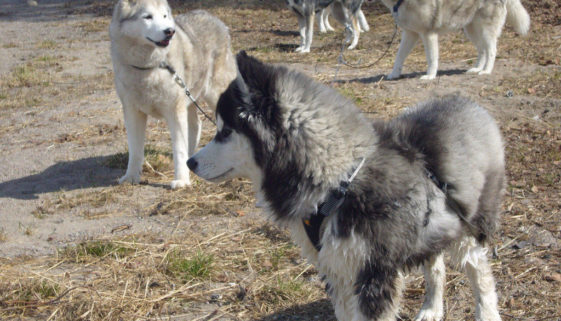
x=397, y=5
x=334, y=200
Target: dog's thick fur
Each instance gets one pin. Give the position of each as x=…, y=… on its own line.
x=347, y=12
x=297, y=139
x=482, y=21
x=197, y=45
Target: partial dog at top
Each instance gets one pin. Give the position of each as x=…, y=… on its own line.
x=347, y=12
x=325, y=26
x=365, y=201
x=144, y=34
x=482, y=21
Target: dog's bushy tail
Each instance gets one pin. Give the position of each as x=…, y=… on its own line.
x=517, y=16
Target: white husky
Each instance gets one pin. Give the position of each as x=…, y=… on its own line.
x=482, y=21
x=144, y=35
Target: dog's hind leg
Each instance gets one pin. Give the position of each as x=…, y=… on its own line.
x=362, y=21
x=302, y=31
x=483, y=31
x=408, y=41
x=435, y=278
x=472, y=257
x=135, y=123
x=430, y=42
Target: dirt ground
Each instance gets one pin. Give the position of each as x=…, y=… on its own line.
x=75, y=245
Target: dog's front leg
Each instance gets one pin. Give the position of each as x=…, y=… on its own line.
x=194, y=126
x=302, y=31
x=309, y=30
x=435, y=278
x=408, y=41
x=378, y=291
x=430, y=42
x=177, y=123
x=135, y=123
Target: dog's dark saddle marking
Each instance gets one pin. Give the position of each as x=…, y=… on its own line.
x=337, y=196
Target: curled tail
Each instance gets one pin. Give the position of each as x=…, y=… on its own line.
x=517, y=16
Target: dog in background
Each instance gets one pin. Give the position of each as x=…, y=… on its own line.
x=482, y=21
x=344, y=11
x=144, y=34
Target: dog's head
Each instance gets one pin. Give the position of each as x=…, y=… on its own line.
x=245, y=118
x=148, y=21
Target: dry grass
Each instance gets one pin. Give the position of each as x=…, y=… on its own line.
x=222, y=263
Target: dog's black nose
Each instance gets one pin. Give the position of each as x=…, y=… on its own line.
x=192, y=164
x=169, y=32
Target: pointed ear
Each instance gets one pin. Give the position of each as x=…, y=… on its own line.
x=244, y=98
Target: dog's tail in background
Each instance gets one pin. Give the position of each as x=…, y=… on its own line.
x=517, y=17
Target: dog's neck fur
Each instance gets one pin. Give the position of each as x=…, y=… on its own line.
x=138, y=55
x=326, y=144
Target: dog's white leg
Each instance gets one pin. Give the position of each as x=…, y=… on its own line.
x=362, y=21
x=430, y=42
x=309, y=32
x=302, y=31
x=355, y=33
x=473, y=258
x=408, y=41
x=490, y=42
x=194, y=126
x=177, y=124
x=435, y=278
x=326, y=20
x=320, y=16
x=473, y=32
x=135, y=123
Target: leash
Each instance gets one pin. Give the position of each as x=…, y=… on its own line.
x=335, y=199
x=178, y=80
x=341, y=59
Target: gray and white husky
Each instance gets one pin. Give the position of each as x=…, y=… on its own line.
x=431, y=180
x=482, y=21
x=347, y=12
x=144, y=34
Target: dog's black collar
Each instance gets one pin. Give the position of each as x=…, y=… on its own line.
x=143, y=68
x=335, y=199
x=397, y=5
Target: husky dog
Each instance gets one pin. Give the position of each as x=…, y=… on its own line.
x=144, y=35
x=432, y=179
x=325, y=26
x=482, y=21
x=345, y=11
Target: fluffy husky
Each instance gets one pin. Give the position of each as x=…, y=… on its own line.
x=432, y=179
x=482, y=21
x=144, y=35
x=347, y=12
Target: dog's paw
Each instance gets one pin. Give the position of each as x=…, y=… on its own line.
x=393, y=76
x=484, y=72
x=428, y=77
x=473, y=71
x=131, y=179
x=429, y=315
x=180, y=183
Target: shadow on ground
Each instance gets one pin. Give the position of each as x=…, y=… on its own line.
x=319, y=310
x=72, y=175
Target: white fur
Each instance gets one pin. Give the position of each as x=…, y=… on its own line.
x=145, y=89
x=481, y=20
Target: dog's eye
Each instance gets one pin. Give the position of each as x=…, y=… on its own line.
x=165, y=16
x=226, y=132
x=148, y=17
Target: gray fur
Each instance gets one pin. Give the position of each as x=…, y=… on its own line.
x=304, y=138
